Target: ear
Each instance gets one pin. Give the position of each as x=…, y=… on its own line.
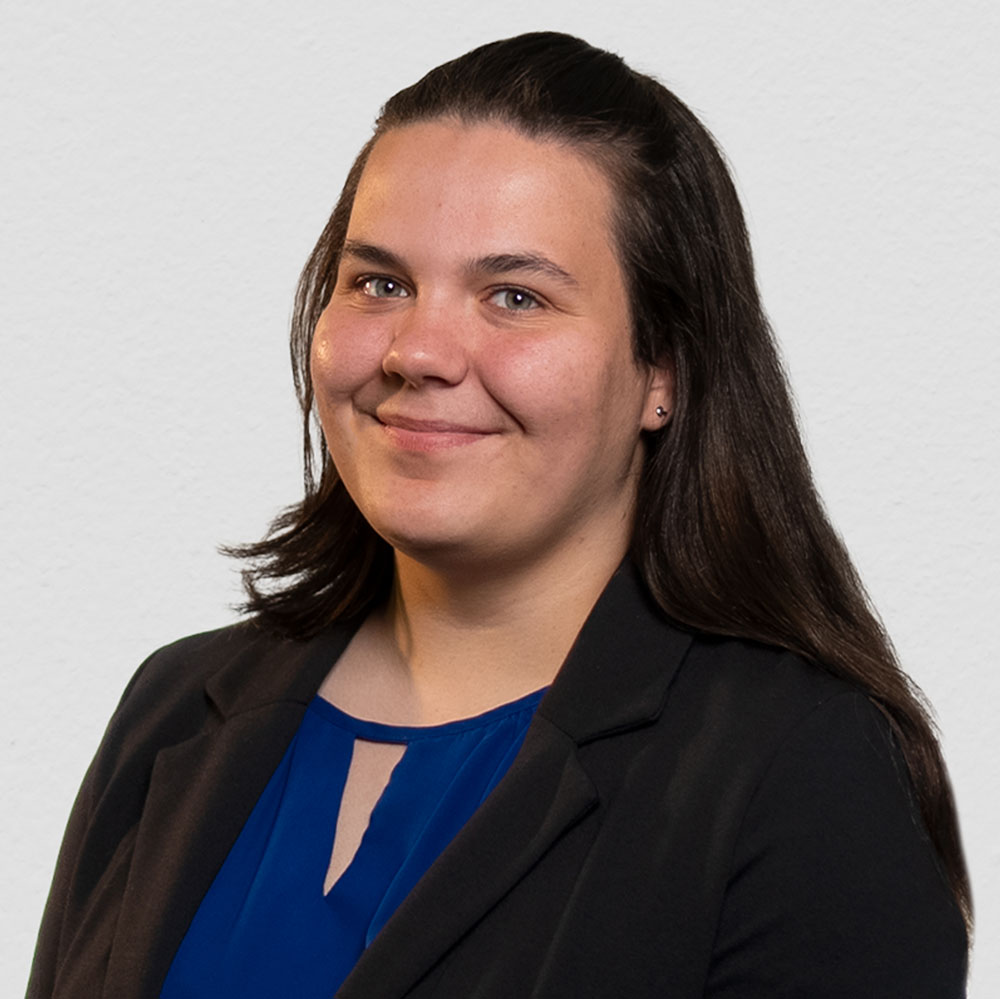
x=659, y=405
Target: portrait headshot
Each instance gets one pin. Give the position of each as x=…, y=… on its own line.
x=502, y=502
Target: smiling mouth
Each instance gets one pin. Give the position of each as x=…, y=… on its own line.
x=411, y=434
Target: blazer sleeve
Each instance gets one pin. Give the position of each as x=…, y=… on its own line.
x=82, y=863
x=835, y=889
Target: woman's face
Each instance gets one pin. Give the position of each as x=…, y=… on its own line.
x=473, y=369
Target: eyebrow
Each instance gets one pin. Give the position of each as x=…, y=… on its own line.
x=493, y=263
x=371, y=254
x=533, y=263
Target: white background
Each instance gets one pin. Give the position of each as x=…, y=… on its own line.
x=165, y=170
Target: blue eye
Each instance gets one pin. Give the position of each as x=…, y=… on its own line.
x=380, y=287
x=514, y=300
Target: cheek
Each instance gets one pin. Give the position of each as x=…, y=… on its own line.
x=533, y=382
x=342, y=358
x=568, y=389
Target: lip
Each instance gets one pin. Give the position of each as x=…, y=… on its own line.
x=412, y=434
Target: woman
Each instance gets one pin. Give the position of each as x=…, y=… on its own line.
x=558, y=681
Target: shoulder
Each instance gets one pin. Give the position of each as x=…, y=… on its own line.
x=762, y=679
x=732, y=705
x=191, y=685
x=173, y=678
x=773, y=812
x=776, y=731
x=188, y=690
x=170, y=672
x=236, y=667
x=181, y=694
x=164, y=702
x=833, y=886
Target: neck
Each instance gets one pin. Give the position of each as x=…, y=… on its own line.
x=451, y=644
x=516, y=627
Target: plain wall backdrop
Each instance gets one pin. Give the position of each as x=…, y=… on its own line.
x=165, y=170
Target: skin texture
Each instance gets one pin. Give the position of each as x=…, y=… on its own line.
x=477, y=390
x=484, y=411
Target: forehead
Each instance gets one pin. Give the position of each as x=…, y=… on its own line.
x=482, y=187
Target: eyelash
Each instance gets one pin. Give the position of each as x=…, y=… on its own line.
x=513, y=290
x=367, y=279
x=362, y=282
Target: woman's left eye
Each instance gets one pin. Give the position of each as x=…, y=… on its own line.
x=514, y=300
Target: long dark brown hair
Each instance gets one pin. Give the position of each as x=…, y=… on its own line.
x=729, y=534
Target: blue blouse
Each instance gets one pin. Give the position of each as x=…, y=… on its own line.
x=265, y=928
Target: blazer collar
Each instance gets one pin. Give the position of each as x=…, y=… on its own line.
x=615, y=676
x=618, y=671
x=267, y=670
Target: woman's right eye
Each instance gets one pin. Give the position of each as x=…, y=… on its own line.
x=382, y=287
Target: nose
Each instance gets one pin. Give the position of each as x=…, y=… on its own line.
x=427, y=346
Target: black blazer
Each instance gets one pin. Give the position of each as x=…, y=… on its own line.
x=688, y=817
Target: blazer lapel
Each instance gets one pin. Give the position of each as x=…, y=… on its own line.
x=201, y=792
x=182, y=831
x=615, y=678
x=544, y=793
x=617, y=675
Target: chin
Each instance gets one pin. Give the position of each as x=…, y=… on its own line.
x=423, y=537
x=417, y=516
x=456, y=548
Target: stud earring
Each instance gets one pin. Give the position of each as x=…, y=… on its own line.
x=661, y=412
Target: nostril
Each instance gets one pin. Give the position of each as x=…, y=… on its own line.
x=421, y=351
